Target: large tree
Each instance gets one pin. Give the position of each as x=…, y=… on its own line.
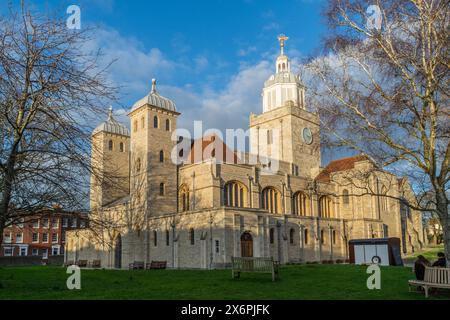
x=51, y=91
x=382, y=88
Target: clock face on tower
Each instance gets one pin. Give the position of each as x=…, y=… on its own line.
x=307, y=136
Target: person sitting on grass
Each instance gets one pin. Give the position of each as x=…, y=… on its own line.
x=440, y=262
x=419, y=267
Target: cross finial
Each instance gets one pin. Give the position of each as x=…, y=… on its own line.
x=282, y=38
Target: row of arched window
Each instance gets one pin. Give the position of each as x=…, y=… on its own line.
x=235, y=195
x=292, y=235
x=111, y=146
x=167, y=234
x=156, y=124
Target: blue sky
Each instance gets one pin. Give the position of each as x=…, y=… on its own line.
x=210, y=56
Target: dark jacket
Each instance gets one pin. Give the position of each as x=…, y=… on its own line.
x=440, y=263
x=419, y=270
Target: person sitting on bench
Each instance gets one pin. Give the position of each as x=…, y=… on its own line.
x=440, y=262
x=419, y=267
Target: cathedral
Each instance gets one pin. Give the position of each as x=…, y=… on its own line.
x=276, y=200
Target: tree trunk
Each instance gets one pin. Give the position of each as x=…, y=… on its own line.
x=446, y=230
x=442, y=211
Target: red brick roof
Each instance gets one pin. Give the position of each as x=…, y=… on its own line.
x=215, y=145
x=339, y=165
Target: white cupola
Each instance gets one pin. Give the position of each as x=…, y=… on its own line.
x=283, y=87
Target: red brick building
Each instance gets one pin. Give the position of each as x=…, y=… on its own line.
x=41, y=235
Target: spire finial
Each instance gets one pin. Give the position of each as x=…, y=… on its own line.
x=153, y=85
x=110, y=113
x=282, y=38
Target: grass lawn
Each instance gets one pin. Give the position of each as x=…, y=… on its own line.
x=429, y=253
x=296, y=282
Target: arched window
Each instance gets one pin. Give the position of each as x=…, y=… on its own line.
x=143, y=122
x=333, y=234
x=110, y=145
x=162, y=188
x=306, y=236
x=184, y=198
x=284, y=66
x=155, y=238
x=192, y=236
x=121, y=147
x=272, y=235
x=138, y=165
x=345, y=197
x=325, y=207
x=155, y=122
x=271, y=200
x=322, y=237
x=167, y=238
x=291, y=236
x=167, y=125
x=161, y=156
x=235, y=194
x=300, y=204
x=135, y=126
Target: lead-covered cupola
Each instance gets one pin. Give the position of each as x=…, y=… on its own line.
x=283, y=87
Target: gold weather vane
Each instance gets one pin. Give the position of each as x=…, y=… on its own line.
x=282, y=38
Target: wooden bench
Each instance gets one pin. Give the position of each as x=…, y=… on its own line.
x=434, y=278
x=136, y=265
x=96, y=264
x=82, y=263
x=262, y=265
x=156, y=265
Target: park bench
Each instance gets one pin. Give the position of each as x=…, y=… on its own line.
x=155, y=265
x=261, y=265
x=136, y=265
x=434, y=278
x=82, y=263
x=96, y=263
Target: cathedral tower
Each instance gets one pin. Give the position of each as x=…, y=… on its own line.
x=285, y=130
x=153, y=174
x=109, y=162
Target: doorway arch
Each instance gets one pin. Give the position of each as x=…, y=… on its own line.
x=246, y=245
x=118, y=252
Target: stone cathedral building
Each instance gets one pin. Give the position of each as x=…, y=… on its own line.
x=201, y=211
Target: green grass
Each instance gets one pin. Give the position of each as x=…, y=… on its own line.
x=429, y=253
x=296, y=282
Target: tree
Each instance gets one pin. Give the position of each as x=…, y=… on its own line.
x=382, y=88
x=51, y=89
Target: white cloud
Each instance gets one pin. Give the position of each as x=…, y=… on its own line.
x=225, y=103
